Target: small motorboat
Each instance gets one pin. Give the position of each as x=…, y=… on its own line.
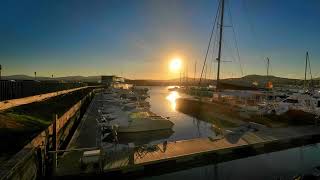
x=142, y=121
x=176, y=88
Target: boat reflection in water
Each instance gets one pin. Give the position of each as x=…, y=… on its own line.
x=172, y=99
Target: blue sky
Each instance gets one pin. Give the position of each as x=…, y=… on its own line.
x=137, y=38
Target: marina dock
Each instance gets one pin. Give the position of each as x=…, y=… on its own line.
x=141, y=160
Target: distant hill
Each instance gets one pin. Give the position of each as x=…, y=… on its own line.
x=67, y=78
x=80, y=78
x=142, y=82
x=247, y=81
x=262, y=80
x=22, y=77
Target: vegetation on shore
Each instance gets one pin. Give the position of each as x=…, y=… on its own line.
x=20, y=124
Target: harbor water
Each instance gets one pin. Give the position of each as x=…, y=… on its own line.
x=277, y=165
x=163, y=103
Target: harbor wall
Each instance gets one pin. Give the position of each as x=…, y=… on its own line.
x=198, y=108
x=32, y=161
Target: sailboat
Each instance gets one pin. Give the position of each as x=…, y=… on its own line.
x=246, y=103
x=307, y=101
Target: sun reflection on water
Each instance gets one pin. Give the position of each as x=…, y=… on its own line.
x=172, y=99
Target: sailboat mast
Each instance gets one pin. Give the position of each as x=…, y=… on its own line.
x=305, y=72
x=268, y=64
x=220, y=44
x=195, y=70
x=205, y=74
x=186, y=74
x=180, y=79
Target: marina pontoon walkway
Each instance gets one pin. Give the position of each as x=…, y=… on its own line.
x=122, y=159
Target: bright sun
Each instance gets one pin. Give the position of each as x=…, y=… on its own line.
x=175, y=64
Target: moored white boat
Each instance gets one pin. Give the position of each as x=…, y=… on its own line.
x=146, y=124
x=143, y=121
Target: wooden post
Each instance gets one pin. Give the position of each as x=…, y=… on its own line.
x=194, y=74
x=54, y=143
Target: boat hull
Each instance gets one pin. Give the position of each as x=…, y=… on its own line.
x=142, y=125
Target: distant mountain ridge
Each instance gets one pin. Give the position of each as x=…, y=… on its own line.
x=261, y=80
x=41, y=78
x=247, y=80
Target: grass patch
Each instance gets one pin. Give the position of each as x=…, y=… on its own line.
x=44, y=110
x=21, y=124
x=29, y=121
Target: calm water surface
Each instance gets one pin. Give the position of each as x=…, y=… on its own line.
x=162, y=103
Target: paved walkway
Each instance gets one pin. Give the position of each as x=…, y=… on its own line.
x=231, y=141
x=180, y=150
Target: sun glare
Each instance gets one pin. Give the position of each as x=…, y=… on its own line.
x=172, y=97
x=175, y=64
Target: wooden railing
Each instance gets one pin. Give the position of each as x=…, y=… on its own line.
x=24, y=164
x=61, y=122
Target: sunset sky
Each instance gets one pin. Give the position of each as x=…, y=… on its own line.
x=138, y=38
